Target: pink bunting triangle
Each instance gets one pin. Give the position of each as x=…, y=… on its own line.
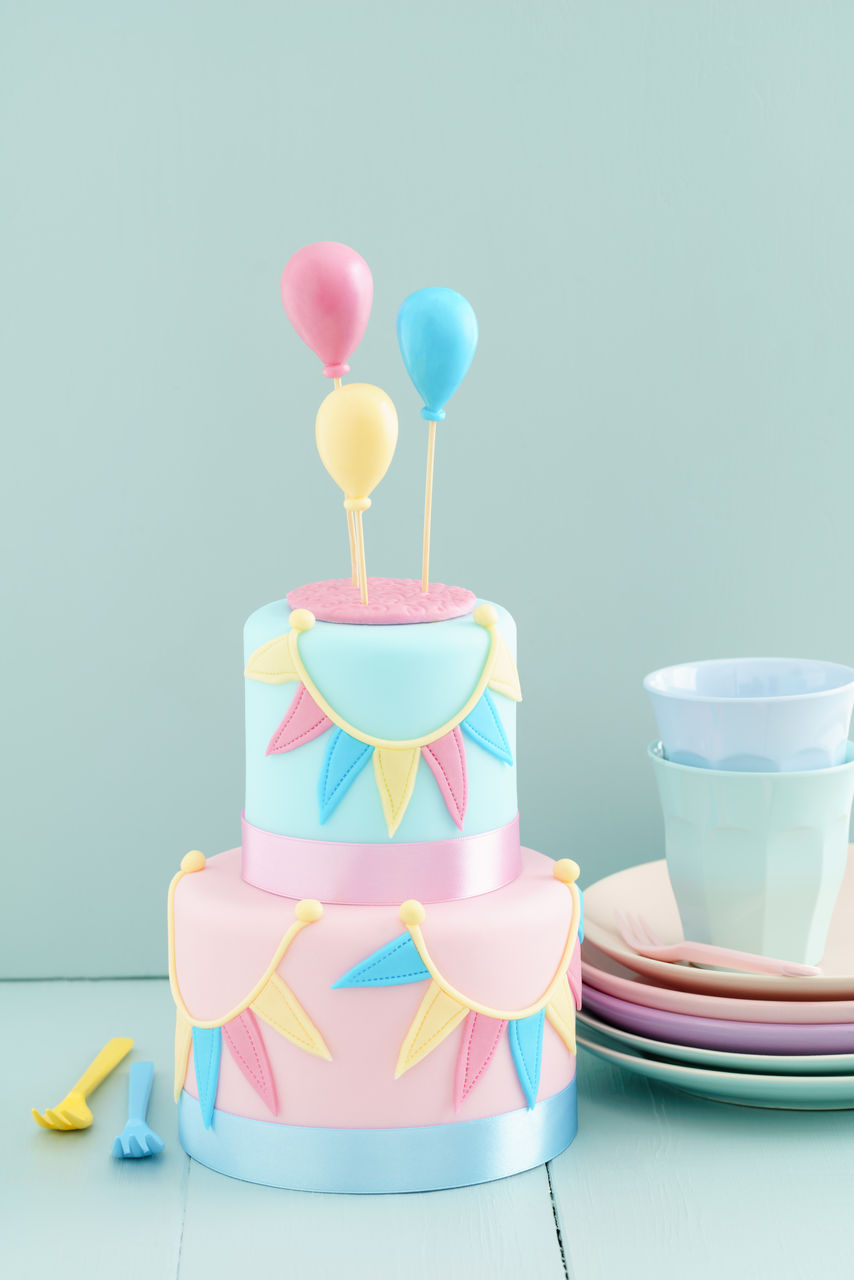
x=244, y=1039
x=480, y=1040
x=574, y=974
x=447, y=760
x=303, y=722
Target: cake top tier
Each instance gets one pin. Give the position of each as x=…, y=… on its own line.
x=359, y=737
x=391, y=601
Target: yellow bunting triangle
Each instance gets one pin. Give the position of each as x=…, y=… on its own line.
x=436, y=1018
x=272, y=662
x=395, y=772
x=278, y=1005
x=560, y=1012
x=504, y=678
x=183, y=1040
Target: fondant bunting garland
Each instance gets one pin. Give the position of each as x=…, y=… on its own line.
x=395, y=763
x=304, y=722
x=394, y=772
x=477, y=1049
x=344, y=760
x=207, y=1049
x=393, y=965
x=446, y=758
x=504, y=677
x=526, y=1045
x=561, y=1014
x=279, y=1007
x=272, y=663
x=406, y=959
x=271, y=999
x=183, y=1043
x=246, y=1045
x=484, y=725
x=436, y=1018
x=574, y=971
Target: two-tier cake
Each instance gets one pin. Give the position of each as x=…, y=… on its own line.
x=377, y=991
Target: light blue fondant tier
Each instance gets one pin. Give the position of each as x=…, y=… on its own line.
x=395, y=682
x=379, y=1161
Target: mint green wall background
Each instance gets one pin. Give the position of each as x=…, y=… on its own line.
x=650, y=206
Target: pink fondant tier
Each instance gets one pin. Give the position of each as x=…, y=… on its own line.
x=501, y=949
x=390, y=600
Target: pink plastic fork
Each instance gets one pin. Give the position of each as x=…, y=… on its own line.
x=637, y=934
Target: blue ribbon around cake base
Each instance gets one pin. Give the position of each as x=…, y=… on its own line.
x=379, y=1161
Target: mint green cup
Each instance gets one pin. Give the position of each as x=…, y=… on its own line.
x=756, y=860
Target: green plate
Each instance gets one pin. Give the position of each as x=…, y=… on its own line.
x=793, y=1093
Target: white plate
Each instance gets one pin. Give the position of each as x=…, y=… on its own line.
x=790, y=1093
x=815, y=1064
x=645, y=891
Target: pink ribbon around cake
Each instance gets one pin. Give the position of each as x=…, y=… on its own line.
x=362, y=875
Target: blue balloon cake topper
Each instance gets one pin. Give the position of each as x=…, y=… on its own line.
x=437, y=334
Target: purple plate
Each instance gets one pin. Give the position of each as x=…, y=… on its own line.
x=718, y=1033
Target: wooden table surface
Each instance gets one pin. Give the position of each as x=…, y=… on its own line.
x=657, y=1184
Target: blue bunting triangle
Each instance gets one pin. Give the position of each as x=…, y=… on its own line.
x=207, y=1048
x=395, y=964
x=526, y=1045
x=344, y=760
x=484, y=725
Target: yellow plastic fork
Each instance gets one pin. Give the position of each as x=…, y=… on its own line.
x=72, y=1112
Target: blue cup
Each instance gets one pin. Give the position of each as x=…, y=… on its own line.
x=760, y=715
x=756, y=860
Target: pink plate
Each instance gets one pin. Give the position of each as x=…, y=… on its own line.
x=645, y=891
x=600, y=971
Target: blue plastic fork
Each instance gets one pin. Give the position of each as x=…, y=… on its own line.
x=137, y=1139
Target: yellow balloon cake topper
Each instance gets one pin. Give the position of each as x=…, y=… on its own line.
x=356, y=432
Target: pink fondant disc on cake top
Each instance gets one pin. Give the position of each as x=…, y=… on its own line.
x=390, y=600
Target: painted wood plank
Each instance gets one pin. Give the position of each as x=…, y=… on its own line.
x=661, y=1185
x=68, y=1208
x=502, y=1230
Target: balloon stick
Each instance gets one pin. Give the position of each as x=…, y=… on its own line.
x=363, y=572
x=354, y=564
x=428, y=508
x=351, y=524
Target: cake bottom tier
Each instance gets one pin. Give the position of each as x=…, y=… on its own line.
x=380, y=1161
x=374, y=1049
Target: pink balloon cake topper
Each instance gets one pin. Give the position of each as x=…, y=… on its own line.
x=327, y=291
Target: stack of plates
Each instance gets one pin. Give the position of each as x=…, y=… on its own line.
x=755, y=1039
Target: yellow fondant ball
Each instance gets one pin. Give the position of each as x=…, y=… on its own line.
x=567, y=871
x=485, y=615
x=412, y=912
x=308, y=910
x=193, y=861
x=302, y=620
